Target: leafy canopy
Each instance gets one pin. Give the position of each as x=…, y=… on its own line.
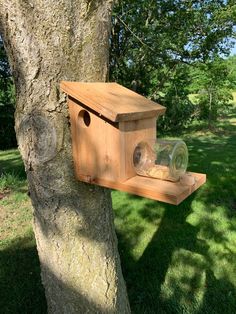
x=153, y=44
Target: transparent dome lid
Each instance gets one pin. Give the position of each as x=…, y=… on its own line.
x=161, y=159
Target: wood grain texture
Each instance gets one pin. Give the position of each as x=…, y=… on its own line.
x=159, y=190
x=132, y=133
x=103, y=150
x=103, y=155
x=113, y=101
x=96, y=147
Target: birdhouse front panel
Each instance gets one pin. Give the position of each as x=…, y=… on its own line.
x=96, y=145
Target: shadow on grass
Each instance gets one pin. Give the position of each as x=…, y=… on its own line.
x=11, y=163
x=146, y=278
x=21, y=290
x=176, y=273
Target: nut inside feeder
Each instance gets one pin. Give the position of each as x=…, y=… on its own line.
x=161, y=159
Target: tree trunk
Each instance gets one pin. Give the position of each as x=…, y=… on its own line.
x=46, y=42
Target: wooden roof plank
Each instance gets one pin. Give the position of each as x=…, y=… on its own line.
x=113, y=101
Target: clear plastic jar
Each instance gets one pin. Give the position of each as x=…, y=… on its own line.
x=161, y=159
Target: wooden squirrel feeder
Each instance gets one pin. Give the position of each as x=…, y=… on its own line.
x=107, y=122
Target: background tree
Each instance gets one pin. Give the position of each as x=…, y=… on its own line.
x=47, y=42
x=174, y=95
x=151, y=40
x=214, y=82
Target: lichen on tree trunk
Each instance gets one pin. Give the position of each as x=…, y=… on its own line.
x=46, y=42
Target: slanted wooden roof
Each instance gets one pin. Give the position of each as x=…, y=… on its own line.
x=113, y=101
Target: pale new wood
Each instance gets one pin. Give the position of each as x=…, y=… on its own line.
x=96, y=148
x=132, y=133
x=159, y=190
x=113, y=101
x=103, y=150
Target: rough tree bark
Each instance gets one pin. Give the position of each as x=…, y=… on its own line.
x=48, y=41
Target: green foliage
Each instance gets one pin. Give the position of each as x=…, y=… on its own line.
x=214, y=82
x=7, y=102
x=234, y=98
x=174, y=96
x=160, y=32
x=153, y=41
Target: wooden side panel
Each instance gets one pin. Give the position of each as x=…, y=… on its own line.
x=132, y=133
x=96, y=146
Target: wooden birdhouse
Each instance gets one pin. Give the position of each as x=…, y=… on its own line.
x=107, y=123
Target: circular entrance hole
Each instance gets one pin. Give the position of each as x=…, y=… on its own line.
x=84, y=118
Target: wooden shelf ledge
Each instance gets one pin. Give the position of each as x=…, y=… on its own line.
x=159, y=190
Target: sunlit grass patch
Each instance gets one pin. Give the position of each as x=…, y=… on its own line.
x=185, y=282
x=234, y=97
x=16, y=215
x=186, y=264
x=175, y=259
x=137, y=220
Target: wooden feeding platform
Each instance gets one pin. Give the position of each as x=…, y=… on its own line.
x=107, y=122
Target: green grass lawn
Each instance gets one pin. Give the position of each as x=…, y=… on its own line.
x=175, y=259
x=20, y=287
